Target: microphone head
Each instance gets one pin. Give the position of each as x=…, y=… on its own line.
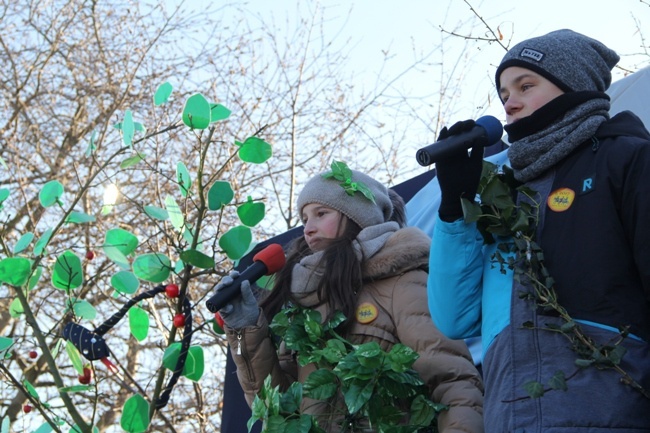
x=492, y=127
x=272, y=257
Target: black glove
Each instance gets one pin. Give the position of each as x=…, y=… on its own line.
x=458, y=175
x=243, y=310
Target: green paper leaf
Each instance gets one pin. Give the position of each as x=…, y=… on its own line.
x=235, y=242
x=131, y=161
x=194, y=364
x=157, y=213
x=51, y=193
x=175, y=214
x=16, y=308
x=80, y=218
x=75, y=357
x=152, y=267
x=15, y=271
x=220, y=194
x=128, y=129
x=82, y=309
x=197, y=258
x=196, y=113
x=183, y=178
x=67, y=273
x=91, y=145
x=75, y=428
x=76, y=388
x=5, y=347
x=135, y=415
x=125, y=282
x=31, y=390
x=163, y=93
x=36, y=275
x=251, y=213
x=218, y=112
x=121, y=239
x=4, y=194
x=42, y=242
x=254, y=150
x=139, y=323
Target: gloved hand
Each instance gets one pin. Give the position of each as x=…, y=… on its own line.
x=243, y=310
x=458, y=175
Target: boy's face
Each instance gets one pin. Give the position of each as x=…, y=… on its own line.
x=524, y=91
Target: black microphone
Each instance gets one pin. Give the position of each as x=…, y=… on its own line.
x=488, y=130
x=268, y=261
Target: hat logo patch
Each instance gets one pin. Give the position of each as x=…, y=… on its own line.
x=366, y=313
x=532, y=54
x=561, y=199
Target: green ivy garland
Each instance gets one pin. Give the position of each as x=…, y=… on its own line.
x=497, y=214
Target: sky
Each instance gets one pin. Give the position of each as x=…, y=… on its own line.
x=373, y=26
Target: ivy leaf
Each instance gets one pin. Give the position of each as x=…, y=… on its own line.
x=534, y=389
x=358, y=395
x=558, y=381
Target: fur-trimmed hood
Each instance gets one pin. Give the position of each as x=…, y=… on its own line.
x=405, y=250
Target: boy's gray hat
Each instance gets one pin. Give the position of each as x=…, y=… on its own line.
x=357, y=207
x=570, y=60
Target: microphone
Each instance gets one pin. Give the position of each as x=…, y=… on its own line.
x=488, y=130
x=266, y=262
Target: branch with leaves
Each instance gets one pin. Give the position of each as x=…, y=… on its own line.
x=497, y=215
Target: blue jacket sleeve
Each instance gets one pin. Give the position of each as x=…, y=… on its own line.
x=455, y=278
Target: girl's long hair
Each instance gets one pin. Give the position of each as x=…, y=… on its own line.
x=342, y=275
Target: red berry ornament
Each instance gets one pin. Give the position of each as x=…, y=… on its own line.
x=90, y=254
x=87, y=377
x=27, y=408
x=172, y=291
x=179, y=320
x=33, y=354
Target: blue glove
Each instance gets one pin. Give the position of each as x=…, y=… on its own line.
x=243, y=310
x=458, y=175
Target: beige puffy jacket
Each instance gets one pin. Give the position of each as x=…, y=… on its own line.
x=399, y=294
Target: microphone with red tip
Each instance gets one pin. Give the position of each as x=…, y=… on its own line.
x=266, y=262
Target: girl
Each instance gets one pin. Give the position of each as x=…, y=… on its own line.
x=354, y=260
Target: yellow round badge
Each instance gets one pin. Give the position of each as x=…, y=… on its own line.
x=366, y=313
x=561, y=199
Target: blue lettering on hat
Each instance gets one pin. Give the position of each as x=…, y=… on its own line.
x=532, y=54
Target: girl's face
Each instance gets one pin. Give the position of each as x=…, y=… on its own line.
x=524, y=91
x=322, y=224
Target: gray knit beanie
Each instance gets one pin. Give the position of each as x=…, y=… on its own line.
x=348, y=198
x=571, y=61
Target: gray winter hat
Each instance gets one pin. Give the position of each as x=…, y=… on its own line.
x=348, y=192
x=571, y=61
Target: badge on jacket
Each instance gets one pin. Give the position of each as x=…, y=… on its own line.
x=366, y=313
x=561, y=199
